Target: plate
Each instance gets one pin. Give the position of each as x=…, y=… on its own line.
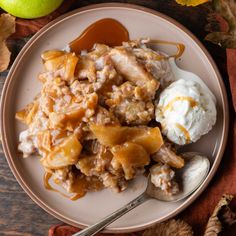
x=21, y=86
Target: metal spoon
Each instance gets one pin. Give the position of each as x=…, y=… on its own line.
x=186, y=75
x=190, y=177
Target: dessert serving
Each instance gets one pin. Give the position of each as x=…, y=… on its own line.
x=111, y=113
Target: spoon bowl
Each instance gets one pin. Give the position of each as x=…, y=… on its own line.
x=190, y=177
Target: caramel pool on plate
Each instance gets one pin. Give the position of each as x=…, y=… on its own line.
x=106, y=31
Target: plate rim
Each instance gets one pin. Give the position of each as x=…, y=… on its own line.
x=10, y=77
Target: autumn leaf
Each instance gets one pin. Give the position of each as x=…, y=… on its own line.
x=227, y=10
x=221, y=214
x=191, y=3
x=7, y=27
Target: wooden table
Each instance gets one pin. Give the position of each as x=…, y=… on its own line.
x=19, y=215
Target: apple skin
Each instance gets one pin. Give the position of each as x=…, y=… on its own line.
x=30, y=9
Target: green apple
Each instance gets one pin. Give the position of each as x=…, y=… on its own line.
x=30, y=9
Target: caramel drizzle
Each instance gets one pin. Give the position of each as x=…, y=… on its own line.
x=76, y=196
x=47, y=185
x=111, y=32
x=180, y=47
x=184, y=131
x=191, y=101
x=47, y=176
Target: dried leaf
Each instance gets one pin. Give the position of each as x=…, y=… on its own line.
x=228, y=217
x=191, y=3
x=4, y=56
x=227, y=10
x=7, y=27
x=170, y=227
x=214, y=225
x=216, y=23
x=222, y=39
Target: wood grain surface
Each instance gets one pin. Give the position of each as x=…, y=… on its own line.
x=19, y=215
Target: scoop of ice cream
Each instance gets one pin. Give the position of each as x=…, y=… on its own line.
x=186, y=111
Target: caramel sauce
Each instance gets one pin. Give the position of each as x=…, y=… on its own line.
x=47, y=185
x=76, y=197
x=47, y=177
x=191, y=101
x=112, y=33
x=180, y=47
x=105, y=31
x=79, y=187
x=185, y=132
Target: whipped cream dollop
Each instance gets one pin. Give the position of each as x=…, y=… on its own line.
x=186, y=111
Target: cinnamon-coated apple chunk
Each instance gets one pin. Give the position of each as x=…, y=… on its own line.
x=109, y=135
x=51, y=54
x=149, y=138
x=27, y=114
x=57, y=60
x=168, y=156
x=66, y=153
x=128, y=66
x=55, y=63
x=130, y=156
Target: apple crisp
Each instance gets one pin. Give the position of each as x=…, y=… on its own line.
x=93, y=122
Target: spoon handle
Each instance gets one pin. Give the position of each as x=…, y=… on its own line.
x=92, y=230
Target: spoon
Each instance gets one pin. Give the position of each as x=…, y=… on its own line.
x=186, y=75
x=190, y=178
